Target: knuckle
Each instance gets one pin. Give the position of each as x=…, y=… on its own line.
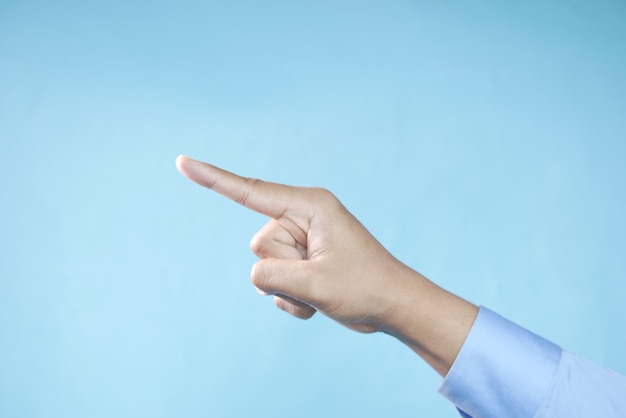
x=259, y=274
x=260, y=243
x=251, y=184
x=323, y=194
x=325, y=198
x=255, y=273
x=257, y=245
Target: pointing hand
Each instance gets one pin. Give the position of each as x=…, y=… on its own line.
x=314, y=254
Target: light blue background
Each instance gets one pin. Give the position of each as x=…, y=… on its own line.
x=483, y=144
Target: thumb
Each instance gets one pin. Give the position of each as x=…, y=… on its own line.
x=292, y=278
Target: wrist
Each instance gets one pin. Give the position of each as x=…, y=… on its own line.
x=428, y=319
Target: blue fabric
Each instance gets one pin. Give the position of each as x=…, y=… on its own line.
x=503, y=371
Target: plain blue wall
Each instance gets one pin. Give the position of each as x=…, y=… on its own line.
x=484, y=144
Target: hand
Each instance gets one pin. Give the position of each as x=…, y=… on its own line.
x=316, y=256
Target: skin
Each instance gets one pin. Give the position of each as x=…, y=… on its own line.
x=315, y=256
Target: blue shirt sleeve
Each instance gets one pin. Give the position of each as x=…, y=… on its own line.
x=504, y=370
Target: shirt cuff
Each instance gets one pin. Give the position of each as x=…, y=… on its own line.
x=502, y=370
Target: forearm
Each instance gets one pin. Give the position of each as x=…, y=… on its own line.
x=428, y=319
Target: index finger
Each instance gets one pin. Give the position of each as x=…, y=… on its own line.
x=270, y=199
